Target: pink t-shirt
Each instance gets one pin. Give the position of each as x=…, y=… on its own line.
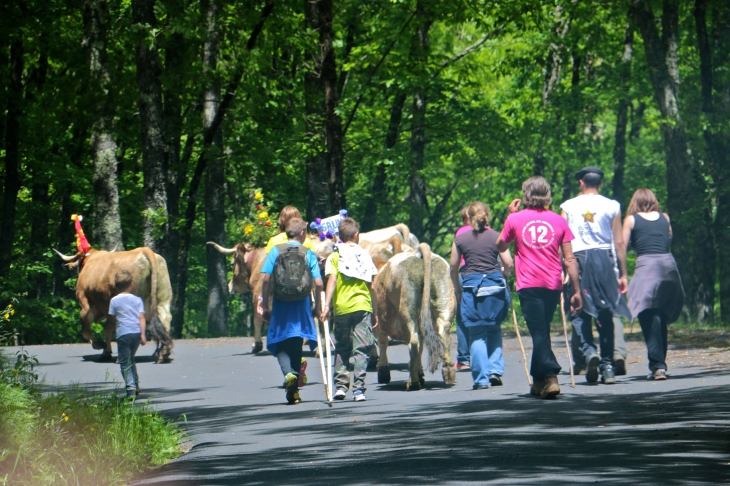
x=538, y=234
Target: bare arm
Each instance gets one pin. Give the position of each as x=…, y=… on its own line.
x=506, y=263
x=628, y=226
x=670, y=224
x=142, y=329
x=618, y=241
x=571, y=264
x=265, y=290
x=501, y=245
x=454, y=265
x=375, y=303
x=318, y=286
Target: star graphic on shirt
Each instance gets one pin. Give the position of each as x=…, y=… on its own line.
x=588, y=216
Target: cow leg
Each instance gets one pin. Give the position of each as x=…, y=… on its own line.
x=108, y=330
x=414, y=364
x=383, y=364
x=258, y=322
x=447, y=371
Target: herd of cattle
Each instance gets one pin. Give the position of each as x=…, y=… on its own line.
x=414, y=293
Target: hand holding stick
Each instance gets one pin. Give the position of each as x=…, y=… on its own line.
x=325, y=324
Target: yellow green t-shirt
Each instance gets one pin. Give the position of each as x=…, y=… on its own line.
x=351, y=294
x=281, y=238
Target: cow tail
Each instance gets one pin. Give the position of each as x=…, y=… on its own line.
x=433, y=340
x=405, y=231
x=397, y=244
x=157, y=330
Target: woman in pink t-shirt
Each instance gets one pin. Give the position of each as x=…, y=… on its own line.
x=539, y=235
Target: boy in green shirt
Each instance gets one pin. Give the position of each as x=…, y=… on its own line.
x=351, y=271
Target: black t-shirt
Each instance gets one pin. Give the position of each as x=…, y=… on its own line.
x=650, y=237
x=479, y=250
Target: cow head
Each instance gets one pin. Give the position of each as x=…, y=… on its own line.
x=71, y=261
x=242, y=256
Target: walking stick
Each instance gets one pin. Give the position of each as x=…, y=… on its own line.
x=326, y=326
x=321, y=364
x=567, y=343
x=522, y=348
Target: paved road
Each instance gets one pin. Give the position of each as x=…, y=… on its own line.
x=672, y=432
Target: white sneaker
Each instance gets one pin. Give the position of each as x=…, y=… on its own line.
x=359, y=396
x=339, y=395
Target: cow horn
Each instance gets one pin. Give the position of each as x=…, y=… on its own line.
x=67, y=259
x=225, y=251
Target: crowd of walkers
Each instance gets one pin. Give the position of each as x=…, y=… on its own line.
x=580, y=253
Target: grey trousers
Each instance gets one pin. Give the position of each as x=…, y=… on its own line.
x=619, y=344
x=127, y=345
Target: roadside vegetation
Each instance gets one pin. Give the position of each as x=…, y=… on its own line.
x=74, y=436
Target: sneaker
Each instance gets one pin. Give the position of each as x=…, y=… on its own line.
x=359, y=396
x=608, y=376
x=291, y=383
x=480, y=387
x=551, y=388
x=495, y=380
x=302, y=375
x=137, y=391
x=592, y=371
x=536, y=388
x=619, y=366
x=657, y=375
x=340, y=395
x=131, y=393
x=462, y=366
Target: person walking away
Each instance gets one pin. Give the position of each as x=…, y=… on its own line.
x=126, y=313
x=539, y=235
x=656, y=295
x=483, y=294
x=288, y=273
x=596, y=223
x=351, y=271
x=463, y=359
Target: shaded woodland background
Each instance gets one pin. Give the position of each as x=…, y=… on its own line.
x=157, y=119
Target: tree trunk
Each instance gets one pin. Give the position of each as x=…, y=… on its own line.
x=370, y=217
x=215, y=216
x=317, y=170
x=622, y=115
x=154, y=153
x=691, y=221
x=107, y=230
x=419, y=59
x=714, y=63
x=12, y=153
x=332, y=121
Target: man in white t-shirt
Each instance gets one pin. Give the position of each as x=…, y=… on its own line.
x=596, y=224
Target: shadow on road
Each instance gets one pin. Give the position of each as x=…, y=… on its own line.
x=650, y=438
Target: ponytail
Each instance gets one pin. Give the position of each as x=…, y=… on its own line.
x=478, y=214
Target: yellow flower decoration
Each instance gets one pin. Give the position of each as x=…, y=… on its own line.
x=263, y=215
x=248, y=229
x=7, y=316
x=65, y=417
x=258, y=196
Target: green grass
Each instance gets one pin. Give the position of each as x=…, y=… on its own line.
x=79, y=437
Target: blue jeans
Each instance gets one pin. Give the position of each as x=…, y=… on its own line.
x=127, y=345
x=462, y=336
x=485, y=344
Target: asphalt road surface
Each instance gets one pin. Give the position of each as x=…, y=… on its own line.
x=243, y=432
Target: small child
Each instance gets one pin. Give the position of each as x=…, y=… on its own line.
x=126, y=311
x=288, y=273
x=351, y=270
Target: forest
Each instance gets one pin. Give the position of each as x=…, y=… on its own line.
x=170, y=123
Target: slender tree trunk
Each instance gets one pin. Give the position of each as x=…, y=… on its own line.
x=714, y=63
x=215, y=216
x=332, y=121
x=622, y=115
x=317, y=170
x=378, y=189
x=107, y=230
x=154, y=152
x=12, y=153
x=691, y=221
x=419, y=59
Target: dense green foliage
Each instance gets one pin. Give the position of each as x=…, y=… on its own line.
x=435, y=104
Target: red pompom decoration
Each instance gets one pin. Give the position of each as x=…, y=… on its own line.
x=268, y=223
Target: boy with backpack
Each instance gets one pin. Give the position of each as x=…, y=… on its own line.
x=290, y=271
x=351, y=270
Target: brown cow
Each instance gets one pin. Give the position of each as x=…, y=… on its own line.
x=95, y=288
x=416, y=304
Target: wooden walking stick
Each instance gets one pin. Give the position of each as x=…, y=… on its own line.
x=567, y=343
x=321, y=363
x=326, y=326
x=519, y=339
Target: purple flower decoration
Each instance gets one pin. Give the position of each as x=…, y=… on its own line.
x=328, y=235
x=318, y=221
x=343, y=213
x=322, y=237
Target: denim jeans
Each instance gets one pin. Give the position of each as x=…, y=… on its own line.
x=485, y=344
x=462, y=336
x=353, y=339
x=619, y=344
x=289, y=355
x=127, y=345
x=538, y=308
x=654, y=328
x=583, y=327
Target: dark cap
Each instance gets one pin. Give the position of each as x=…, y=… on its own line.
x=588, y=170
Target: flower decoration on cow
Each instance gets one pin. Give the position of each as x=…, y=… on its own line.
x=261, y=222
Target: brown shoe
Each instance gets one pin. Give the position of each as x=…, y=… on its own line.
x=536, y=388
x=578, y=370
x=551, y=388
